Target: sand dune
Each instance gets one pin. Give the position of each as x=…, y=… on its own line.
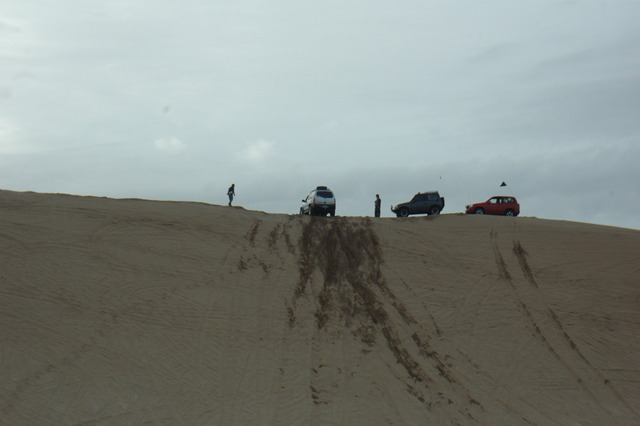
x=155, y=312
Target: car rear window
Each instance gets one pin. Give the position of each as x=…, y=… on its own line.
x=325, y=194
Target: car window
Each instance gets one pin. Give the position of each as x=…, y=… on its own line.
x=493, y=201
x=432, y=197
x=325, y=194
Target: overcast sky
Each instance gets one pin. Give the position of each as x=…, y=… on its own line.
x=176, y=100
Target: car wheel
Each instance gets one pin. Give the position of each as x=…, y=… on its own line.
x=332, y=213
x=404, y=212
x=434, y=210
x=509, y=213
x=479, y=211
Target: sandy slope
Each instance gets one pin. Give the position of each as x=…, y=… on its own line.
x=133, y=311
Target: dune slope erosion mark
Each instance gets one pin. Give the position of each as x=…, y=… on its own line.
x=354, y=297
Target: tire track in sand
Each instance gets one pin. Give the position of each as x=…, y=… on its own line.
x=600, y=379
x=353, y=296
x=552, y=334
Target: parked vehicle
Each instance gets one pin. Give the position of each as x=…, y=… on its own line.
x=423, y=202
x=319, y=202
x=502, y=205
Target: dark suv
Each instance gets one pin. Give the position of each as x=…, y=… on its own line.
x=422, y=202
x=319, y=202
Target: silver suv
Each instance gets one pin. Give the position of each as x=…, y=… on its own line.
x=319, y=202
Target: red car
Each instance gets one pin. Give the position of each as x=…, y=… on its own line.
x=499, y=204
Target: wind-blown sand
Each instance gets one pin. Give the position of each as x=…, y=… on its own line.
x=154, y=312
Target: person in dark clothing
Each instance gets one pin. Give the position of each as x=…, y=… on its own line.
x=377, y=204
x=231, y=192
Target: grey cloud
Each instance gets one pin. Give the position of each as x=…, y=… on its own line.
x=5, y=93
x=366, y=98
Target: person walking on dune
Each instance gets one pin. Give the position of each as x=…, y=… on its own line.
x=377, y=204
x=231, y=192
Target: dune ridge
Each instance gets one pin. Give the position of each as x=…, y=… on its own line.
x=135, y=311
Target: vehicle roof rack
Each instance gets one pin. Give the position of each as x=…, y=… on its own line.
x=321, y=187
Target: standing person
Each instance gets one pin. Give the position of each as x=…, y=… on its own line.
x=377, y=204
x=231, y=192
